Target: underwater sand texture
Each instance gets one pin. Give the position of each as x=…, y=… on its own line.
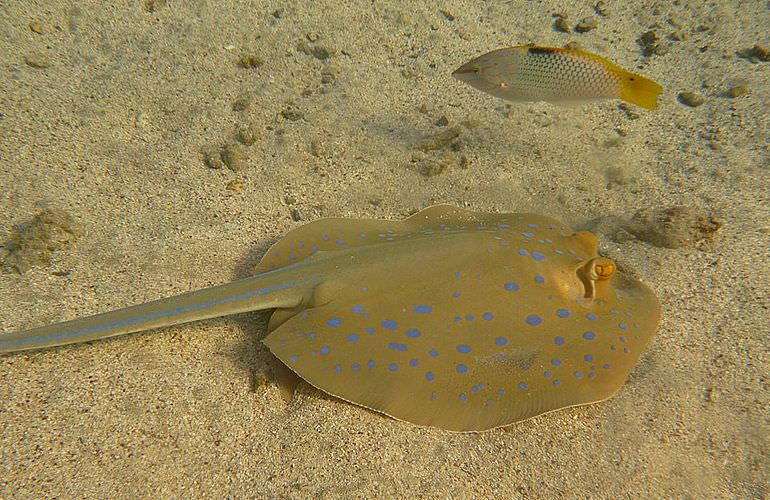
x=108, y=112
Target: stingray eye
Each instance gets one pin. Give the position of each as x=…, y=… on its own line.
x=596, y=269
x=603, y=268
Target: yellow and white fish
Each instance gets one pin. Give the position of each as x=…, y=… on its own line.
x=529, y=73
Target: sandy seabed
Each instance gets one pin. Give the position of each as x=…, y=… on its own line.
x=108, y=112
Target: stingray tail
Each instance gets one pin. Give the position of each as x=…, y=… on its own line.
x=280, y=288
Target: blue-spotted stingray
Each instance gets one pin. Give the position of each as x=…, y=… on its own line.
x=454, y=319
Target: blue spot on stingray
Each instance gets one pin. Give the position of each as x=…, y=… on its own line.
x=433, y=353
x=429, y=376
x=433, y=395
x=527, y=234
x=458, y=318
x=356, y=367
x=556, y=362
x=563, y=313
x=370, y=364
x=532, y=226
x=591, y=316
x=463, y=349
x=539, y=279
x=340, y=242
x=589, y=357
x=534, y=320
x=523, y=251
x=487, y=316
x=469, y=317
x=501, y=341
x=334, y=322
x=614, y=311
x=456, y=295
x=458, y=275
x=501, y=392
x=511, y=287
x=338, y=368
x=623, y=326
x=477, y=387
x=314, y=249
x=463, y=397
x=556, y=383
x=366, y=315
x=623, y=339
x=548, y=374
x=538, y=256
x=592, y=375
x=393, y=367
x=413, y=333
x=414, y=362
x=293, y=359
x=523, y=386
x=357, y=309
x=423, y=309
x=559, y=252
x=364, y=288
x=589, y=335
x=390, y=324
x=325, y=237
x=626, y=350
x=578, y=374
x=311, y=335
x=353, y=337
x=461, y=368
x=325, y=349
x=559, y=340
x=369, y=330
x=606, y=367
x=397, y=347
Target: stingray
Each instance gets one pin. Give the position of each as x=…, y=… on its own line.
x=453, y=319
